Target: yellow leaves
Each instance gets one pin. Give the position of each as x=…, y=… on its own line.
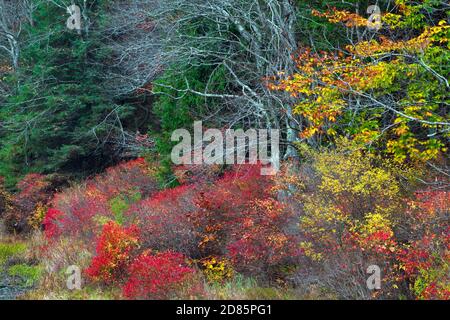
x=308, y=250
x=35, y=220
x=376, y=222
x=340, y=90
x=366, y=136
x=217, y=269
x=342, y=16
x=392, y=20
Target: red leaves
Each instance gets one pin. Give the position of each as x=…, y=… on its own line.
x=261, y=240
x=52, y=224
x=239, y=217
x=424, y=259
x=157, y=276
x=114, y=252
x=35, y=191
x=164, y=220
x=235, y=216
x=82, y=206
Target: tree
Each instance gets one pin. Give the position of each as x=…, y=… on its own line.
x=386, y=87
x=61, y=119
x=242, y=41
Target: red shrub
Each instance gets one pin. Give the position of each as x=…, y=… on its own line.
x=51, y=223
x=164, y=220
x=423, y=260
x=222, y=206
x=124, y=178
x=34, y=190
x=113, y=253
x=236, y=215
x=239, y=217
x=79, y=207
x=263, y=242
x=159, y=276
x=82, y=205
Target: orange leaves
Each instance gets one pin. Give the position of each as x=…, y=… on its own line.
x=361, y=90
x=322, y=83
x=348, y=18
x=114, y=252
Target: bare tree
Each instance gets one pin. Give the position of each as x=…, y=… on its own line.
x=13, y=15
x=135, y=45
x=247, y=40
x=10, y=29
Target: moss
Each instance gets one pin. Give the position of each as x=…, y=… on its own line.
x=29, y=274
x=9, y=250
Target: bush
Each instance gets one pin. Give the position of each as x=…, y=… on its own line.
x=164, y=220
x=424, y=258
x=160, y=276
x=114, y=252
x=51, y=223
x=264, y=246
x=235, y=217
x=240, y=218
x=222, y=206
x=24, y=209
x=86, y=208
x=347, y=218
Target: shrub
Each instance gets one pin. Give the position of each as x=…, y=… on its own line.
x=51, y=223
x=35, y=192
x=347, y=220
x=217, y=269
x=86, y=208
x=239, y=217
x=424, y=258
x=222, y=206
x=126, y=178
x=164, y=220
x=263, y=245
x=160, y=276
x=114, y=251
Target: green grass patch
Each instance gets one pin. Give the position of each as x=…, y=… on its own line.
x=28, y=274
x=9, y=250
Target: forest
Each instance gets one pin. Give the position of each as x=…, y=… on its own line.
x=95, y=94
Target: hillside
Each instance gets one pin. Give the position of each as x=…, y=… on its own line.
x=224, y=149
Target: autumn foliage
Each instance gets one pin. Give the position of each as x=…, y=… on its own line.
x=389, y=72
x=157, y=276
x=86, y=208
x=25, y=209
x=115, y=247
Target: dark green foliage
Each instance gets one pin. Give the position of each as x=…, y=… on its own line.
x=177, y=109
x=59, y=119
